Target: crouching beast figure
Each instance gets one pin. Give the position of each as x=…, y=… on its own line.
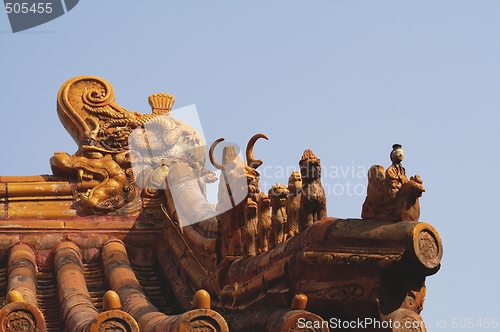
x=293, y=204
x=278, y=195
x=313, y=199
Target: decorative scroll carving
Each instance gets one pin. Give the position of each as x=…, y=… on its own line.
x=19, y=320
x=199, y=320
x=113, y=321
x=338, y=291
x=427, y=246
x=113, y=326
x=340, y=258
x=21, y=316
x=390, y=195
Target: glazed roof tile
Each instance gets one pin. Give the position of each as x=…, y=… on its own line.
x=68, y=295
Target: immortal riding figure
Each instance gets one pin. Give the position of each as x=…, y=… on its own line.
x=390, y=195
x=396, y=173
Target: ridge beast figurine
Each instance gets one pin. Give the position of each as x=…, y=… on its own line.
x=390, y=195
x=293, y=204
x=312, y=199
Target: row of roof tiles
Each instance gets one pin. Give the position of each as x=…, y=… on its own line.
x=125, y=305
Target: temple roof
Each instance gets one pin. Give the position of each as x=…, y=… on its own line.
x=122, y=237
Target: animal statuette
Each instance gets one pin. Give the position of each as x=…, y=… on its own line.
x=264, y=226
x=249, y=227
x=293, y=204
x=239, y=196
x=230, y=188
x=313, y=198
x=278, y=195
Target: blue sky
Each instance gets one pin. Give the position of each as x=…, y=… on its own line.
x=345, y=79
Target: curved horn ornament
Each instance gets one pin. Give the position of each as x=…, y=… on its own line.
x=251, y=161
x=211, y=154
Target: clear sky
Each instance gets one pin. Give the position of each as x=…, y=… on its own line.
x=346, y=79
